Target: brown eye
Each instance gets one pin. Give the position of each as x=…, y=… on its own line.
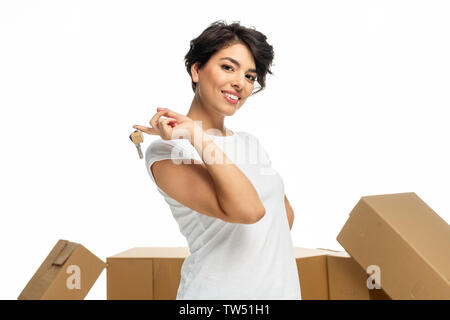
x=252, y=78
x=226, y=66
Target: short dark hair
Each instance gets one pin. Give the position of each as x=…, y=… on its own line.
x=219, y=35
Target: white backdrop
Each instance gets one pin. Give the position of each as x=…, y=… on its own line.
x=358, y=105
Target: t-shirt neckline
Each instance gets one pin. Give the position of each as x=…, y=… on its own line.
x=223, y=137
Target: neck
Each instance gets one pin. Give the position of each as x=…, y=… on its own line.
x=209, y=119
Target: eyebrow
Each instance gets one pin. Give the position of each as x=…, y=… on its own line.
x=237, y=63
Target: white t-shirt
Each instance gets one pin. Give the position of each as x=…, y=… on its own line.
x=233, y=260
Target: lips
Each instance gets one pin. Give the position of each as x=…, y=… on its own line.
x=234, y=93
x=229, y=99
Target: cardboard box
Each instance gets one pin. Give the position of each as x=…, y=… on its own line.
x=145, y=273
x=404, y=241
x=68, y=273
x=333, y=275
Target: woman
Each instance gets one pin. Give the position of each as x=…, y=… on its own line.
x=233, y=212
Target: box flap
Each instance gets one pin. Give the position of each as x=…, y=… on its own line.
x=300, y=253
x=64, y=254
x=334, y=253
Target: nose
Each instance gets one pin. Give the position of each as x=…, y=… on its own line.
x=238, y=82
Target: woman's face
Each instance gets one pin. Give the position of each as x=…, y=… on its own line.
x=226, y=80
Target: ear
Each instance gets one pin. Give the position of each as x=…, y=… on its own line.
x=194, y=71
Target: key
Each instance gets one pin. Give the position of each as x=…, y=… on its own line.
x=137, y=138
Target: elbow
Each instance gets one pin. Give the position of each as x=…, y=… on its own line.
x=245, y=217
x=258, y=216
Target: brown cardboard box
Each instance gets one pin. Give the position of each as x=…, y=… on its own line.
x=68, y=273
x=332, y=275
x=145, y=273
x=406, y=240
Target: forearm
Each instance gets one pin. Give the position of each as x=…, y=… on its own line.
x=235, y=193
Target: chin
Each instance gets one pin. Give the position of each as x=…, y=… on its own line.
x=226, y=110
x=230, y=111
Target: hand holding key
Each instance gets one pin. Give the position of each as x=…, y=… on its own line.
x=165, y=127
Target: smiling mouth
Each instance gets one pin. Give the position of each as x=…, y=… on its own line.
x=231, y=98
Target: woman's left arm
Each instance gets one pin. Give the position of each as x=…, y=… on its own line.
x=289, y=212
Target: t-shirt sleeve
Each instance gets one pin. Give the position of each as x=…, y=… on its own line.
x=178, y=150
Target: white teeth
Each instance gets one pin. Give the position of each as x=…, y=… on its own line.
x=231, y=96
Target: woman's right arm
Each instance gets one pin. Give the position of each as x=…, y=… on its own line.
x=235, y=193
x=217, y=189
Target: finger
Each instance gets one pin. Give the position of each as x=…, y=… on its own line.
x=146, y=129
x=171, y=122
x=154, y=121
x=173, y=114
x=164, y=122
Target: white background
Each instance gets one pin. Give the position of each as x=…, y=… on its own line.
x=358, y=105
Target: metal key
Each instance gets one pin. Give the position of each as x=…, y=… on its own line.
x=137, y=138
